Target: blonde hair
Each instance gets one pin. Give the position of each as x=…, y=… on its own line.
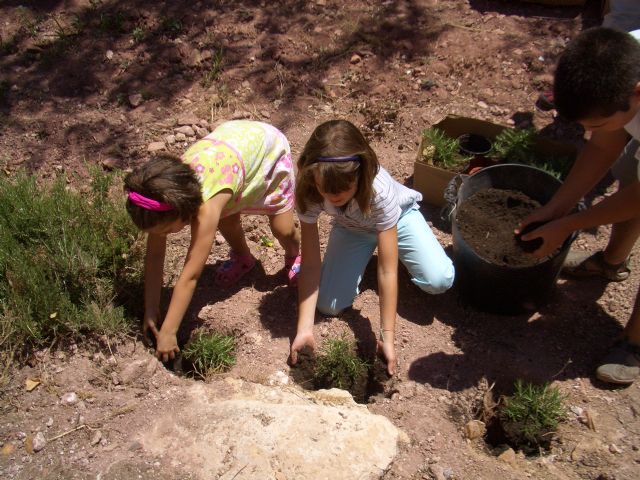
x=333, y=140
x=167, y=179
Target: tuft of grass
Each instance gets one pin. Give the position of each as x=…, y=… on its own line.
x=29, y=22
x=215, y=68
x=67, y=261
x=138, y=34
x=210, y=353
x=338, y=364
x=442, y=150
x=532, y=413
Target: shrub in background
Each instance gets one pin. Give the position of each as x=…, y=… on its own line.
x=67, y=262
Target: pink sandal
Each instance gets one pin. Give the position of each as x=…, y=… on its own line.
x=234, y=269
x=292, y=266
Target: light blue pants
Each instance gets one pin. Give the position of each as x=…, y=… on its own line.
x=349, y=252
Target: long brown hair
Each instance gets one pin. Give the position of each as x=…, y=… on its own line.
x=167, y=179
x=335, y=139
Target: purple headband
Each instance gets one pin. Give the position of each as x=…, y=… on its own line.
x=148, y=203
x=352, y=158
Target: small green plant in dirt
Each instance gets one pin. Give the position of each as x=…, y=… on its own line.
x=212, y=74
x=531, y=415
x=29, y=23
x=338, y=364
x=210, y=353
x=442, y=150
x=138, y=34
x=68, y=262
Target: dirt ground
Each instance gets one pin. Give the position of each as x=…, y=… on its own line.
x=98, y=82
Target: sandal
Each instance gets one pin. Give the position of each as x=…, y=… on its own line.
x=292, y=266
x=234, y=269
x=586, y=264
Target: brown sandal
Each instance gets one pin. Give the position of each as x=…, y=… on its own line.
x=580, y=263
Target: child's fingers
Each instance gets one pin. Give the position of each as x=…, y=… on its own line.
x=294, y=356
x=391, y=368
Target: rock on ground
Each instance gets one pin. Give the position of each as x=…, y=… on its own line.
x=247, y=431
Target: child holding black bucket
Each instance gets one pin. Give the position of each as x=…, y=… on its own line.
x=241, y=167
x=597, y=83
x=339, y=174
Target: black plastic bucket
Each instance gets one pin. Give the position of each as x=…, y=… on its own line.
x=498, y=288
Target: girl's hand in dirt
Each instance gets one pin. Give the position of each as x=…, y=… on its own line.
x=387, y=349
x=167, y=346
x=553, y=234
x=303, y=339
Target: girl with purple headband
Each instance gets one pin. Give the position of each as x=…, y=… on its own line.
x=242, y=167
x=339, y=174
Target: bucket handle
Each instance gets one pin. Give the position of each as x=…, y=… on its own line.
x=451, y=196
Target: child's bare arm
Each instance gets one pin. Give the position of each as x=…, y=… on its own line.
x=153, y=273
x=308, y=283
x=203, y=232
x=600, y=152
x=619, y=207
x=593, y=162
x=388, y=284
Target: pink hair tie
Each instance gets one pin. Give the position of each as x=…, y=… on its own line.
x=148, y=203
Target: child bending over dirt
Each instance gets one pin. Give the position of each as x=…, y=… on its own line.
x=339, y=174
x=597, y=83
x=242, y=167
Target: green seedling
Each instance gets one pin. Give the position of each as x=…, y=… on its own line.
x=338, y=364
x=212, y=74
x=266, y=241
x=531, y=415
x=515, y=145
x=139, y=34
x=442, y=150
x=210, y=353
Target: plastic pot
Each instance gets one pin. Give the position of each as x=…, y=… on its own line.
x=474, y=144
x=498, y=288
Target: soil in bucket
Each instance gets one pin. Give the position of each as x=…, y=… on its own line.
x=495, y=271
x=487, y=220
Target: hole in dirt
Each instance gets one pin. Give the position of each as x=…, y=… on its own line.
x=370, y=383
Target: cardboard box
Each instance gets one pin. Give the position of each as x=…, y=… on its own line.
x=431, y=181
